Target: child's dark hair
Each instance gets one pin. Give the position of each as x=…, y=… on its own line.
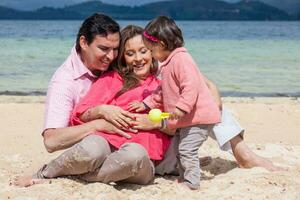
x=164, y=29
x=96, y=24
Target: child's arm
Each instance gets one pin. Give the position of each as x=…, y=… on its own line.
x=154, y=100
x=137, y=106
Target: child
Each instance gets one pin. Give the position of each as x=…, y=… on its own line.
x=184, y=93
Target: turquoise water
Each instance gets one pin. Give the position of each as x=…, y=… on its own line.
x=242, y=58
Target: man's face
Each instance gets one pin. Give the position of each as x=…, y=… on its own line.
x=98, y=55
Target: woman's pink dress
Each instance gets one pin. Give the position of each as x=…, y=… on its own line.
x=103, y=91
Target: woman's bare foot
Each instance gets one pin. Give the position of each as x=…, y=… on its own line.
x=254, y=160
x=26, y=181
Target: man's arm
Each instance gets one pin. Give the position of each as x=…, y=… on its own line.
x=59, y=105
x=62, y=138
x=214, y=92
x=114, y=114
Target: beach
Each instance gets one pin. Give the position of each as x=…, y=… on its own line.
x=272, y=130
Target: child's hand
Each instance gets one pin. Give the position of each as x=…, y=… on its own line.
x=137, y=106
x=177, y=114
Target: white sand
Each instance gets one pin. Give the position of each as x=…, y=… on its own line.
x=272, y=130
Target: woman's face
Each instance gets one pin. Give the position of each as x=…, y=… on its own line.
x=138, y=57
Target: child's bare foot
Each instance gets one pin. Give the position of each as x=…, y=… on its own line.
x=26, y=181
x=204, y=161
x=188, y=185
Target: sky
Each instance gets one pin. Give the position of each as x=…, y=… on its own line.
x=288, y=5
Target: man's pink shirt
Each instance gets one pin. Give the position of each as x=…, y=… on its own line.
x=68, y=85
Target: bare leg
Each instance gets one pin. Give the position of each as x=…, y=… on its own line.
x=247, y=158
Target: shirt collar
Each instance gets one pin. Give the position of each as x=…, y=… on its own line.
x=79, y=68
x=173, y=53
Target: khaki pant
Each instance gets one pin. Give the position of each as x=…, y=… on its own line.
x=94, y=161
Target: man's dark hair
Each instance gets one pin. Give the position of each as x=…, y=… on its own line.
x=97, y=24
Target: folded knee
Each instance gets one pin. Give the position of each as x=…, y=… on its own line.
x=94, y=148
x=135, y=152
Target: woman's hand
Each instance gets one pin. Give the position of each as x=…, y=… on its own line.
x=116, y=115
x=107, y=127
x=142, y=122
x=137, y=106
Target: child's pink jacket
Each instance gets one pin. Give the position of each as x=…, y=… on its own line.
x=183, y=86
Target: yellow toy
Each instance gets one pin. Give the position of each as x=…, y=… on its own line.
x=155, y=115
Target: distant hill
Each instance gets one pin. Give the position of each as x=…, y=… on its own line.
x=177, y=9
x=40, y=14
x=290, y=6
x=8, y=13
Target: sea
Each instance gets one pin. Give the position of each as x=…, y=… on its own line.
x=243, y=58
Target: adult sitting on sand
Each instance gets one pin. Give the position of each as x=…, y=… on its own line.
x=96, y=47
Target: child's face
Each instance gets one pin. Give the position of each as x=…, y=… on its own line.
x=158, y=51
x=138, y=57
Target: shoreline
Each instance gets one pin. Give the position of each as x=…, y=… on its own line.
x=41, y=99
x=223, y=94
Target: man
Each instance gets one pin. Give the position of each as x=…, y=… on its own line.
x=96, y=47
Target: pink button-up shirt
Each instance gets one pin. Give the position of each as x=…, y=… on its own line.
x=155, y=142
x=68, y=85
